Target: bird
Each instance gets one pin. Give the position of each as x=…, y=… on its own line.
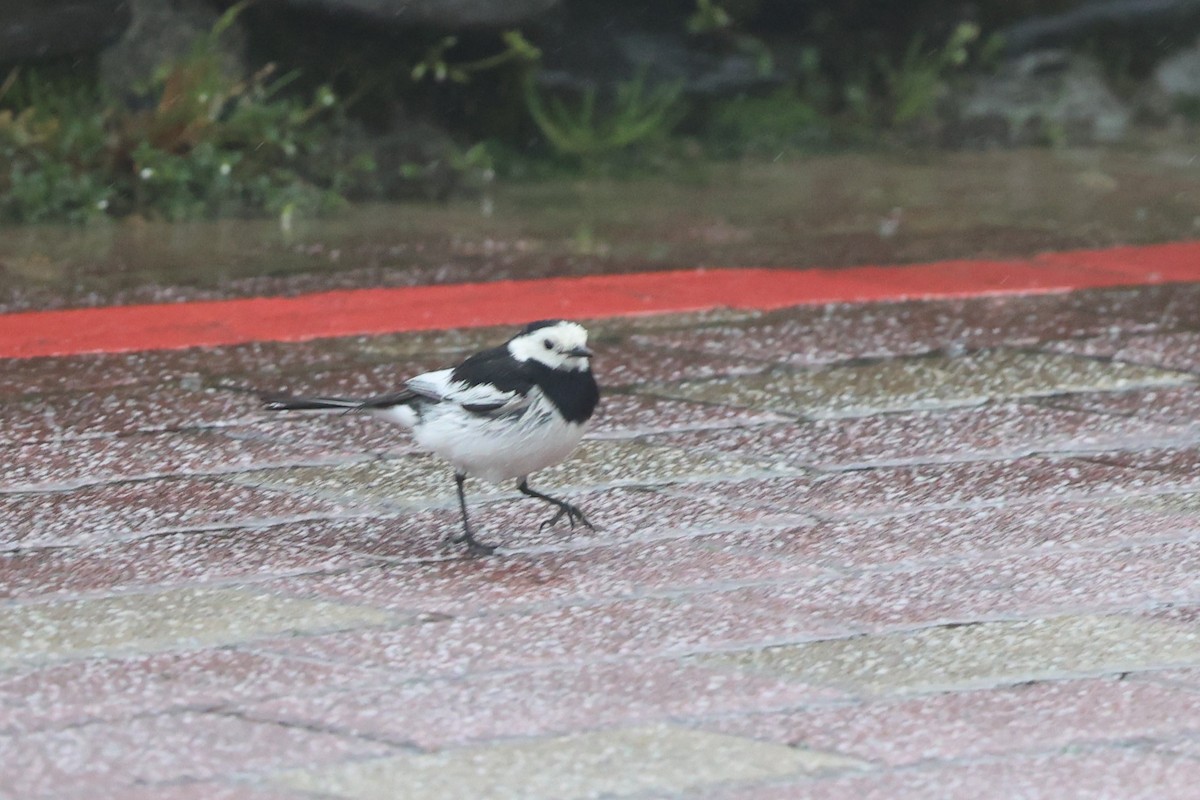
x=502, y=414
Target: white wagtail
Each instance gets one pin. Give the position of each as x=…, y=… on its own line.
x=500, y=415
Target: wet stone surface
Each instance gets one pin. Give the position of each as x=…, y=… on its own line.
x=903, y=550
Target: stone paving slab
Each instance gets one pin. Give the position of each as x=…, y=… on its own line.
x=171, y=559
x=102, y=759
x=62, y=465
x=904, y=550
x=456, y=712
x=74, y=693
x=48, y=632
x=1179, y=350
x=117, y=412
x=971, y=485
x=916, y=384
x=919, y=538
x=107, y=513
x=882, y=601
x=618, y=763
x=946, y=727
x=545, y=578
x=831, y=334
x=559, y=636
x=1176, y=406
x=1118, y=772
x=993, y=431
x=978, y=655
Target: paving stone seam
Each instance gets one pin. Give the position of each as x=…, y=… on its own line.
x=914, y=407
x=573, y=546
x=252, y=710
x=1188, y=435
x=491, y=740
x=981, y=558
x=827, y=570
x=448, y=500
x=868, y=701
x=1074, y=747
x=255, y=582
x=700, y=590
x=398, y=621
x=1183, y=747
x=685, y=653
x=767, y=526
x=833, y=517
x=71, y=485
x=220, y=427
x=982, y=505
x=908, y=695
x=204, y=583
x=1047, y=346
x=111, y=719
x=580, y=602
x=1063, y=403
x=1151, y=469
x=813, y=781
x=245, y=715
x=48, y=545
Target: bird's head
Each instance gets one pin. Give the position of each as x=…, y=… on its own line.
x=556, y=343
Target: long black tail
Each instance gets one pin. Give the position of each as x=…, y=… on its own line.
x=283, y=402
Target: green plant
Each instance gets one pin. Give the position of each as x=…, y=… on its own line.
x=708, y=17
x=517, y=49
x=587, y=130
x=202, y=143
x=767, y=125
x=913, y=84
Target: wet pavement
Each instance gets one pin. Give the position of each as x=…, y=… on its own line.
x=825, y=210
x=913, y=550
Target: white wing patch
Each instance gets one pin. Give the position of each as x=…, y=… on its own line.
x=479, y=398
x=434, y=385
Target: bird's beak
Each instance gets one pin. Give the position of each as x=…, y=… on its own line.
x=580, y=352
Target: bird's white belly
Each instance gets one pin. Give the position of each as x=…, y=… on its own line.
x=498, y=449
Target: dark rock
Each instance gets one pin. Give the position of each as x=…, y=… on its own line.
x=1039, y=98
x=1178, y=75
x=161, y=31
x=1079, y=24
x=449, y=14
x=38, y=29
x=601, y=48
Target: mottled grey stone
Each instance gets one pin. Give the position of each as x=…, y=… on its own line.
x=921, y=383
x=979, y=655
x=143, y=623
x=613, y=763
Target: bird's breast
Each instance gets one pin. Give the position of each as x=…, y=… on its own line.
x=500, y=448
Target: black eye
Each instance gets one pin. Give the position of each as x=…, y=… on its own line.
x=549, y=344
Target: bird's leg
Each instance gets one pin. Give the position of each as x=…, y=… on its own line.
x=565, y=509
x=476, y=547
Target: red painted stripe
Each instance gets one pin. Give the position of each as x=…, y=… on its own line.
x=371, y=311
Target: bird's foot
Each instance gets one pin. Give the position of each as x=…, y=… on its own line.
x=474, y=546
x=572, y=513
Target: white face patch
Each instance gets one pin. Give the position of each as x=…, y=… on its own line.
x=552, y=346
